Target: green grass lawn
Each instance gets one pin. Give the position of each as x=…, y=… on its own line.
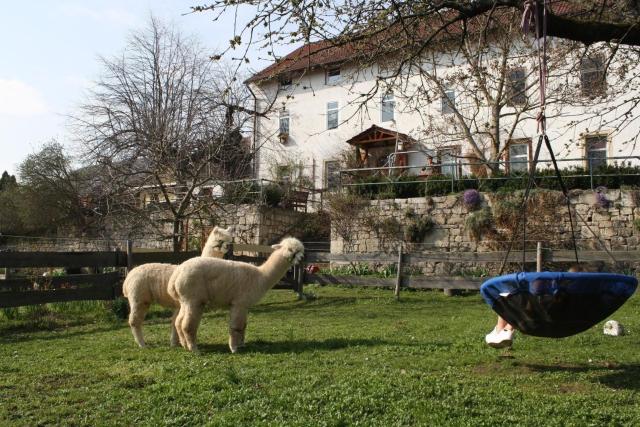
x=347, y=357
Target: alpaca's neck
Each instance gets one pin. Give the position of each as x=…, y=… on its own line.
x=272, y=270
x=210, y=251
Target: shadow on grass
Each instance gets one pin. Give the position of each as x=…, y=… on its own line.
x=324, y=302
x=297, y=305
x=26, y=332
x=617, y=376
x=296, y=346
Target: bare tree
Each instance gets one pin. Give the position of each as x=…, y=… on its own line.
x=586, y=21
x=53, y=192
x=165, y=122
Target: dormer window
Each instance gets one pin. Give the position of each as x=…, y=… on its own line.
x=285, y=83
x=333, y=76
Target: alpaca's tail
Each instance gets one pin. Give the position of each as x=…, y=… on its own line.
x=171, y=289
x=125, y=288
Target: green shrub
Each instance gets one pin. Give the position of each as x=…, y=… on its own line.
x=406, y=186
x=272, y=194
x=388, y=227
x=479, y=223
x=120, y=308
x=505, y=212
x=437, y=185
x=418, y=228
x=11, y=313
x=314, y=227
x=342, y=208
x=241, y=192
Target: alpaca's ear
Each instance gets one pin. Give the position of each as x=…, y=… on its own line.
x=276, y=246
x=215, y=228
x=230, y=229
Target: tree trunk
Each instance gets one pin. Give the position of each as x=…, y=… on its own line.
x=177, y=235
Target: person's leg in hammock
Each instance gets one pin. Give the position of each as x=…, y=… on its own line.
x=501, y=336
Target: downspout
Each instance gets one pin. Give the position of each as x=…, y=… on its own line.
x=254, y=132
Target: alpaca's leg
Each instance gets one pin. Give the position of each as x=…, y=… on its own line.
x=244, y=329
x=190, y=322
x=177, y=324
x=237, y=326
x=136, y=317
x=174, y=331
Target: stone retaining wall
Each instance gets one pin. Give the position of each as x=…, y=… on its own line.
x=253, y=224
x=382, y=225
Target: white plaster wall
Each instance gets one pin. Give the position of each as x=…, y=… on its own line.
x=311, y=143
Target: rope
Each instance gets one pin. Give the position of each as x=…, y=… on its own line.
x=523, y=215
x=531, y=15
x=566, y=195
x=529, y=18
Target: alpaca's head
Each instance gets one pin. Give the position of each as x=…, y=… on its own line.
x=219, y=239
x=291, y=249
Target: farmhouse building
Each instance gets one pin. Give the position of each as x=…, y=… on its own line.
x=444, y=113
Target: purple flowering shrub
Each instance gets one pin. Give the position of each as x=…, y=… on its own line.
x=471, y=199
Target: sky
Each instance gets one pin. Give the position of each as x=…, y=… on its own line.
x=49, y=57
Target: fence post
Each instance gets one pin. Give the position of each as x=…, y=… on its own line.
x=399, y=274
x=129, y=255
x=539, y=257
x=300, y=270
x=590, y=173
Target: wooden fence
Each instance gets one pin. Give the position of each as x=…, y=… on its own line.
x=20, y=291
x=16, y=292
x=403, y=260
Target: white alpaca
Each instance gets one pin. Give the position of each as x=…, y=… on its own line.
x=199, y=282
x=147, y=284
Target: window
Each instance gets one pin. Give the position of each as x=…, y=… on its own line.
x=596, y=151
x=518, y=158
x=517, y=89
x=387, y=108
x=284, y=122
x=448, y=159
x=592, y=78
x=331, y=174
x=448, y=101
x=285, y=173
x=332, y=115
x=285, y=83
x=333, y=76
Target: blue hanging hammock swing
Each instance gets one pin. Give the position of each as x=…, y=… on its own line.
x=553, y=304
x=557, y=304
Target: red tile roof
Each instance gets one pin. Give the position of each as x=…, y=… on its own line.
x=326, y=53
x=378, y=134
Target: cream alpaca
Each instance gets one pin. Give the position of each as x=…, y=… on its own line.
x=199, y=282
x=147, y=284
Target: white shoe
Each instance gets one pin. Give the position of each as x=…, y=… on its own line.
x=499, y=338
